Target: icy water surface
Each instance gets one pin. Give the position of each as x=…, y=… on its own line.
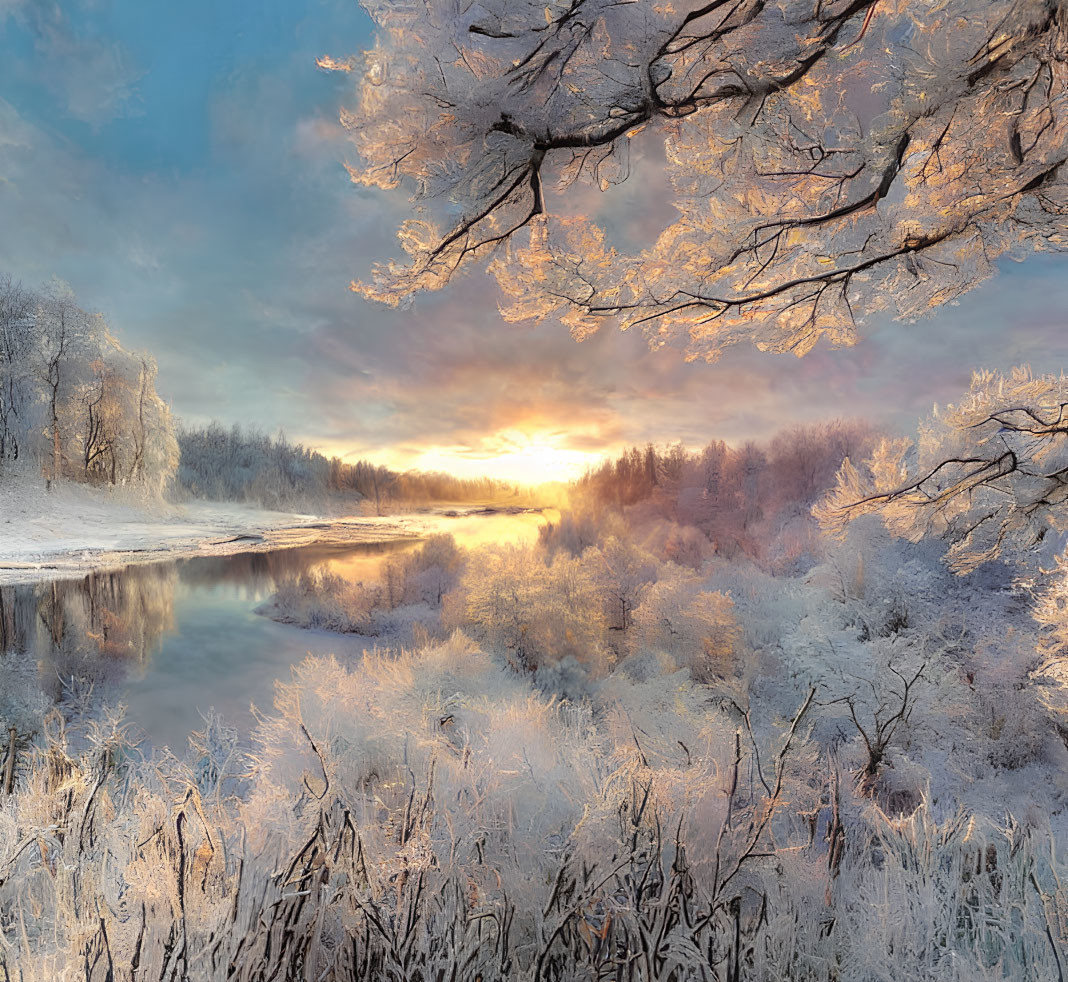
x=175, y=639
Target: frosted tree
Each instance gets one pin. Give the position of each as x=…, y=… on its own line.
x=823, y=159
x=133, y=420
x=73, y=400
x=154, y=444
x=16, y=339
x=987, y=475
x=118, y=429
x=1051, y=613
x=623, y=573
x=536, y=612
x=62, y=332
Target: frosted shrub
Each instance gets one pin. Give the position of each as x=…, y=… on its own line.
x=1051, y=613
x=965, y=902
x=430, y=571
x=696, y=626
x=886, y=585
x=1008, y=706
x=622, y=573
x=533, y=608
x=324, y=600
x=422, y=814
x=429, y=815
x=766, y=607
x=408, y=593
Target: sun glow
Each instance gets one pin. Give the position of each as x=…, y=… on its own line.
x=511, y=455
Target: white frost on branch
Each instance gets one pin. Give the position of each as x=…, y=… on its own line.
x=824, y=160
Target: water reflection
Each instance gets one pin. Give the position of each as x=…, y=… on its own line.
x=88, y=631
x=173, y=639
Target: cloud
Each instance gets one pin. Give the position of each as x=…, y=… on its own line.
x=94, y=77
x=10, y=8
x=450, y=372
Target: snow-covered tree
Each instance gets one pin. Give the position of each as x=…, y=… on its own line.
x=17, y=407
x=824, y=160
x=533, y=610
x=62, y=348
x=73, y=400
x=988, y=475
x=622, y=573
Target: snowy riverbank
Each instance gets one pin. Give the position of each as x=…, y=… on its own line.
x=72, y=529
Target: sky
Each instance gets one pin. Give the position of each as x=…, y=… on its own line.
x=181, y=167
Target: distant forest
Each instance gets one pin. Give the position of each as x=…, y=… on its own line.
x=76, y=406
x=244, y=465
x=754, y=500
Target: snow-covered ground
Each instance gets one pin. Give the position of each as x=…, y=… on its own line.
x=73, y=528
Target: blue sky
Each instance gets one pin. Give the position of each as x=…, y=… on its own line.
x=180, y=165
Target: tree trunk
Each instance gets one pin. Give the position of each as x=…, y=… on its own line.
x=9, y=764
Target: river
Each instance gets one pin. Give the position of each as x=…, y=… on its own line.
x=174, y=639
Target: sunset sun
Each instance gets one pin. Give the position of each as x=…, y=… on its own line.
x=512, y=455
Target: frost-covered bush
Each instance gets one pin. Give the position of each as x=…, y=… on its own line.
x=1050, y=677
x=885, y=585
x=696, y=626
x=622, y=573
x=317, y=598
x=423, y=815
x=535, y=609
x=406, y=594
x=425, y=574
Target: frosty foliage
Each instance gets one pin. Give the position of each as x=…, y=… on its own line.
x=988, y=475
x=822, y=160
x=411, y=587
x=534, y=608
x=694, y=625
x=1051, y=613
x=430, y=815
x=73, y=401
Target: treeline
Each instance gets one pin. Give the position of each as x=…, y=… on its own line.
x=74, y=404
x=381, y=485
x=243, y=465
x=750, y=499
x=236, y=464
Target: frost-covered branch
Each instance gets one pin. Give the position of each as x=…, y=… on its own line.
x=823, y=160
x=987, y=475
